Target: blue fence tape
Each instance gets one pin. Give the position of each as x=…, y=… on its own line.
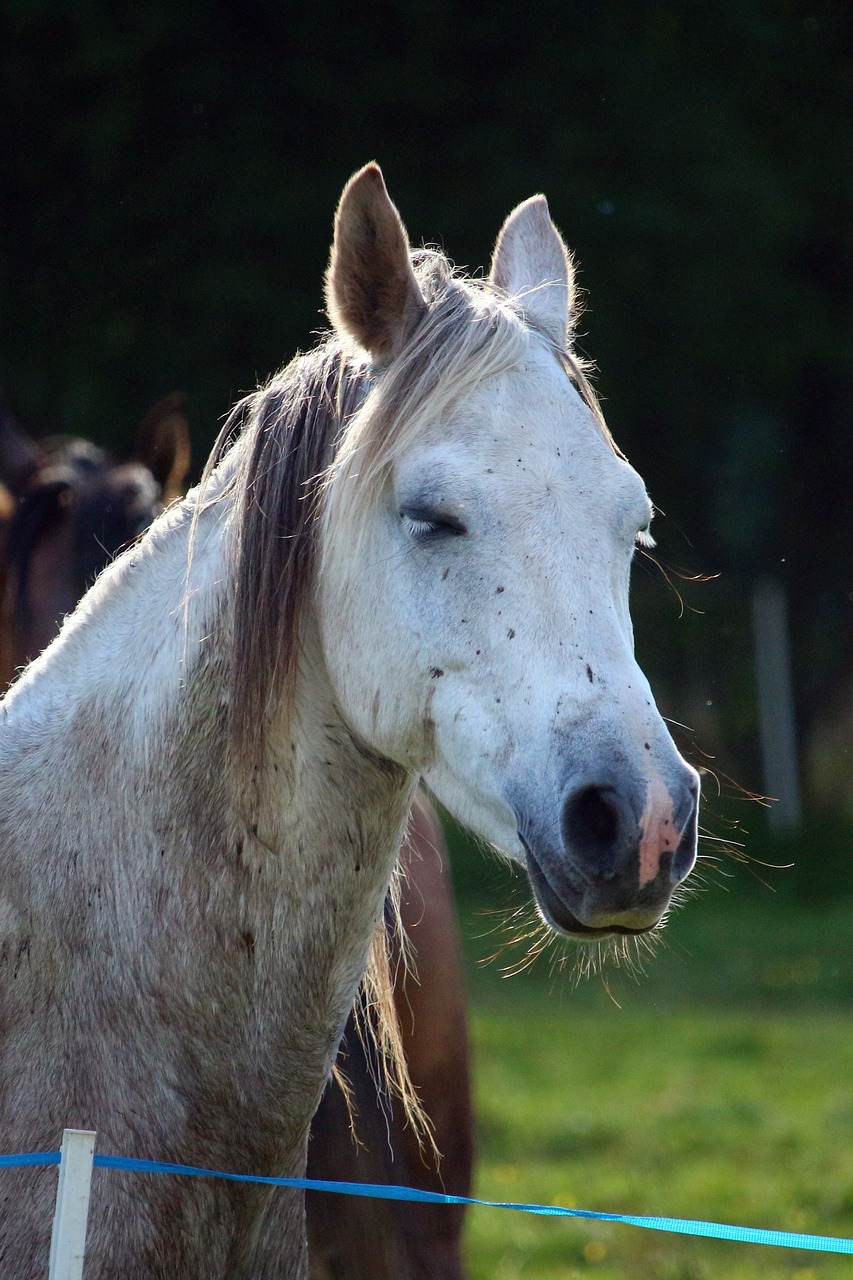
x=34, y=1157
x=680, y=1226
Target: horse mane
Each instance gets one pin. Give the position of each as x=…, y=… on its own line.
x=284, y=435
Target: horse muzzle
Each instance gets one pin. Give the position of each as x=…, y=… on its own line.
x=621, y=850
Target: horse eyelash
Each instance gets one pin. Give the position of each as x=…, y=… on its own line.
x=421, y=527
x=644, y=537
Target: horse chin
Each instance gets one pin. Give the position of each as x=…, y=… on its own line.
x=561, y=918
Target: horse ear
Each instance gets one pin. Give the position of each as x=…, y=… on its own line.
x=371, y=290
x=532, y=264
x=19, y=453
x=163, y=444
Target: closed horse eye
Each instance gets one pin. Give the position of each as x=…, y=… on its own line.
x=643, y=537
x=423, y=524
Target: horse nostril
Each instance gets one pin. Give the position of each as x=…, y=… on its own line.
x=591, y=827
x=685, y=854
x=685, y=857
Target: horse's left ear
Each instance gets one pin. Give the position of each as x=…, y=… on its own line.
x=163, y=444
x=19, y=453
x=532, y=264
x=371, y=290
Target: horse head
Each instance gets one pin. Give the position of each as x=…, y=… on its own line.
x=479, y=508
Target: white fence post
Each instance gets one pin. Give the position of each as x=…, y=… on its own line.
x=68, y=1242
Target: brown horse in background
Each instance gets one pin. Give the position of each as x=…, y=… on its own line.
x=66, y=509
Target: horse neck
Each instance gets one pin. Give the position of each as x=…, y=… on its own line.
x=331, y=815
x=118, y=750
x=318, y=829
x=143, y=663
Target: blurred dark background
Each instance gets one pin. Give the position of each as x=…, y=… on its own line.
x=169, y=174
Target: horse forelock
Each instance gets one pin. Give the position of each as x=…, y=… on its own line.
x=468, y=333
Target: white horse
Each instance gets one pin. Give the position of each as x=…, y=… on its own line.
x=412, y=563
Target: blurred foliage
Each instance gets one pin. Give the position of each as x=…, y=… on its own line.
x=170, y=173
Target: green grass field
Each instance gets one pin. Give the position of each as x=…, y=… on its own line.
x=718, y=1085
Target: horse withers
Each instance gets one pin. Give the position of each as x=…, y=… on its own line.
x=408, y=558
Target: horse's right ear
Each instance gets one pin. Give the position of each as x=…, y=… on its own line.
x=163, y=444
x=531, y=264
x=19, y=454
x=371, y=290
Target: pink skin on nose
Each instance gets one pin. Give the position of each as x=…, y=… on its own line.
x=658, y=833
